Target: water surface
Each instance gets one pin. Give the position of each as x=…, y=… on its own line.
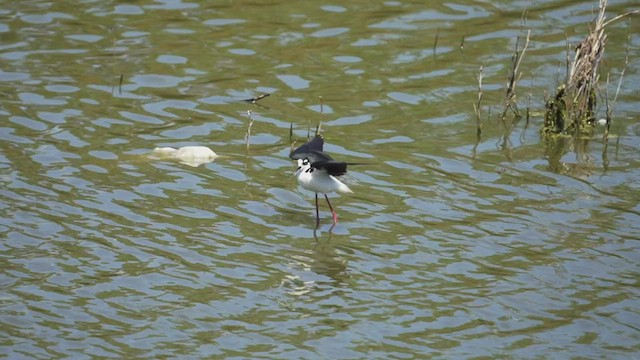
x=450, y=246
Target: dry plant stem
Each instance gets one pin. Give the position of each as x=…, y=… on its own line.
x=319, y=127
x=308, y=128
x=524, y=49
x=624, y=68
x=510, y=98
x=575, y=100
x=254, y=100
x=113, y=72
x=291, y=133
x=528, y=108
x=113, y=59
x=249, y=112
x=583, y=73
x=621, y=16
x=568, y=45
x=435, y=42
x=477, y=105
x=609, y=110
x=605, y=136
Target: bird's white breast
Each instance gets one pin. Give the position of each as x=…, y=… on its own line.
x=319, y=181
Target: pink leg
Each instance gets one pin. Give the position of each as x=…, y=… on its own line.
x=335, y=216
x=317, y=212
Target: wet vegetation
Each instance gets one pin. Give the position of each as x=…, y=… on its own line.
x=570, y=111
x=572, y=108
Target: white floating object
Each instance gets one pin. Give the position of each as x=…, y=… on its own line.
x=602, y=122
x=164, y=152
x=188, y=155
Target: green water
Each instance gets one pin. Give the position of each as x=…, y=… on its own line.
x=450, y=246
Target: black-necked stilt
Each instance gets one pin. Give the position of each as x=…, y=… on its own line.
x=317, y=172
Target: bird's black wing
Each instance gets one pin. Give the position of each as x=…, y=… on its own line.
x=312, y=146
x=312, y=151
x=335, y=168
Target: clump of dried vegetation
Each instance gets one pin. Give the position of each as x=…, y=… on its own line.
x=571, y=109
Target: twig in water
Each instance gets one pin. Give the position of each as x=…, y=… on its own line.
x=120, y=84
x=291, y=133
x=514, y=76
x=516, y=60
x=609, y=110
x=435, y=42
x=248, y=136
x=529, y=102
x=568, y=61
x=476, y=106
x=113, y=61
x=624, y=68
x=462, y=44
x=308, y=128
x=319, y=127
x=254, y=100
x=605, y=136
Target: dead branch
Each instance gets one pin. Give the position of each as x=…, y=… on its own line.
x=514, y=76
x=476, y=106
x=248, y=135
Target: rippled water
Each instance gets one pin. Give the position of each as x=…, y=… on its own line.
x=450, y=247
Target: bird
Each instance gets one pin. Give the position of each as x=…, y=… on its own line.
x=318, y=172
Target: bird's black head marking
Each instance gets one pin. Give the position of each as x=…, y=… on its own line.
x=312, y=155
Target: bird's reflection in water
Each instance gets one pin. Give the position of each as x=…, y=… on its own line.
x=323, y=265
x=324, y=260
